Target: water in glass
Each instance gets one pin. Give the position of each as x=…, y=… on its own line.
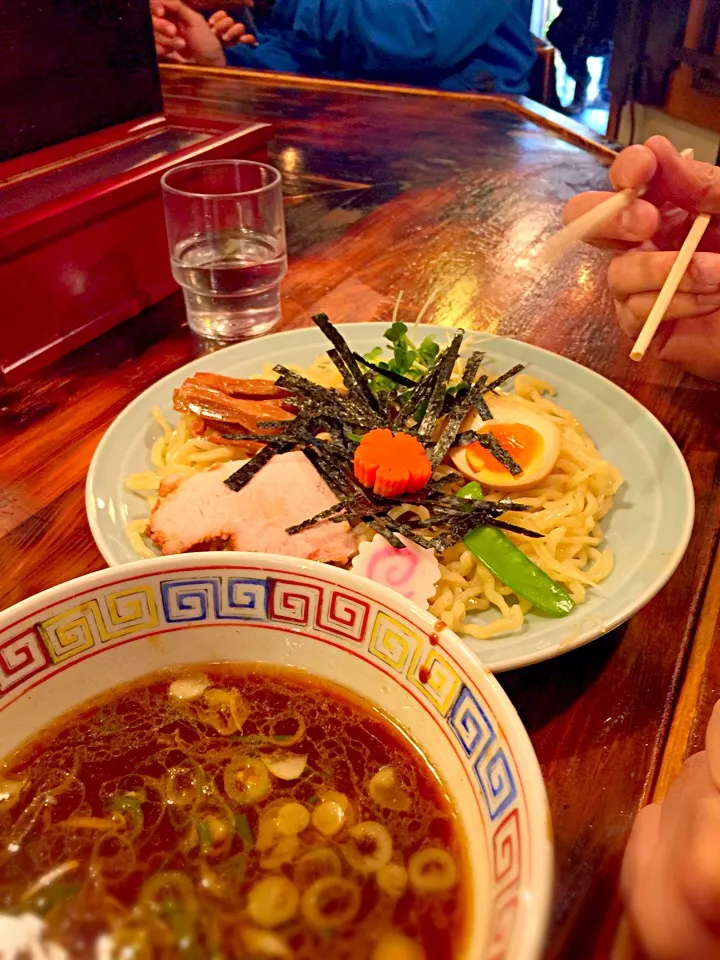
x=231, y=282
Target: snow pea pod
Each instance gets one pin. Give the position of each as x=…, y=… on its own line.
x=512, y=567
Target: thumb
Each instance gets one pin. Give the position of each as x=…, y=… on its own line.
x=689, y=184
x=218, y=17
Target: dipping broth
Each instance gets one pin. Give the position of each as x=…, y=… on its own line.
x=232, y=812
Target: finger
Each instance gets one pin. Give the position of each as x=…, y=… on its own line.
x=634, y=167
x=637, y=222
x=227, y=25
x=712, y=744
x=218, y=17
x=642, y=272
x=169, y=48
x=163, y=45
x=663, y=917
x=682, y=305
x=170, y=44
x=223, y=26
x=699, y=866
x=631, y=324
x=663, y=922
x=674, y=226
x=163, y=28
x=694, y=344
x=249, y=40
x=665, y=925
x=689, y=184
x=235, y=35
x=640, y=849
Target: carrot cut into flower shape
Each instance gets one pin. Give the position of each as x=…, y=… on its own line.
x=392, y=464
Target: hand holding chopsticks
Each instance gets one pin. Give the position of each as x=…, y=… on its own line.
x=646, y=237
x=589, y=224
x=670, y=286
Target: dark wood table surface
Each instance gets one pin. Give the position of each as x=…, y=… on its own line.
x=388, y=191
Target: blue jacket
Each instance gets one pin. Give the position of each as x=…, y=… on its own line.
x=470, y=45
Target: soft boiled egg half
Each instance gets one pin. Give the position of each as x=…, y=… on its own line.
x=531, y=440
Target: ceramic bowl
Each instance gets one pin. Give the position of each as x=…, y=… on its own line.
x=73, y=642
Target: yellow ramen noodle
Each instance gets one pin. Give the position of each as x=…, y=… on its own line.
x=567, y=507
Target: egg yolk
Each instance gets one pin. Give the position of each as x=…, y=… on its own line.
x=523, y=443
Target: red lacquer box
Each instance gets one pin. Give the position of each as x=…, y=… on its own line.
x=82, y=232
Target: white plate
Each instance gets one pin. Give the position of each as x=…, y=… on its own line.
x=648, y=528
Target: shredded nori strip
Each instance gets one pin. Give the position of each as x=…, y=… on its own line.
x=390, y=374
x=310, y=397
x=493, y=446
x=323, y=515
x=257, y=437
x=461, y=409
x=297, y=383
x=481, y=406
x=512, y=528
x=498, y=381
x=443, y=481
x=338, y=341
x=409, y=406
x=236, y=481
x=414, y=402
x=436, y=401
x=459, y=527
x=396, y=526
x=472, y=366
x=342, y=483
x=385, y=530
x=273, y=425
x=345, y=373
x=461, y=519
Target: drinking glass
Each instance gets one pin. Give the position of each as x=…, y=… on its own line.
x=226, y=233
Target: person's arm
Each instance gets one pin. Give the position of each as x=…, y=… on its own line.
x=378, y=36
x=651, y=231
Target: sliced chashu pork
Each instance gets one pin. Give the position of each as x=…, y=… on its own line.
x=200, y=510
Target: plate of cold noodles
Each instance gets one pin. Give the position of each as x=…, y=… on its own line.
x=528, y=503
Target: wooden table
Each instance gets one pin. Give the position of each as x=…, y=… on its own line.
x=389, y=191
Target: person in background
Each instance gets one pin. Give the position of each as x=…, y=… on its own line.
x=454, y=45
x=646, y=238
x=584, y=28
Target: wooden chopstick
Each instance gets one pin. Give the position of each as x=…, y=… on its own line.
x=670, y=286
x=588, y=224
